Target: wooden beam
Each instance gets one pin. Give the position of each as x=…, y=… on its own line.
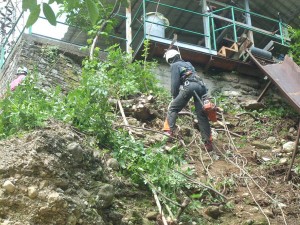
x=264, y=91
x=228, y=51
x=208, y=63
x=288, y=176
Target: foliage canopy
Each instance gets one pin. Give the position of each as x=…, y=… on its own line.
x=95, y=10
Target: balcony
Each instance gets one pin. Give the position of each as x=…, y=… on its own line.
x=214, y=35
x=209, y=33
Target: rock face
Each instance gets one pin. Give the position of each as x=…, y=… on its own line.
x=53, y=65
x=50, y=177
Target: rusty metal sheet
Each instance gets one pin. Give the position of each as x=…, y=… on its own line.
x=286, y=76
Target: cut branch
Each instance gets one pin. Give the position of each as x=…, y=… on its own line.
x=185, y=203
x=124, y=117
x=147, y=129
x=159, y=208
x=234, y=134
x=201, y=184
x=247, y=113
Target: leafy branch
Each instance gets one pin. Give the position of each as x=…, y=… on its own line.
x=103, y=25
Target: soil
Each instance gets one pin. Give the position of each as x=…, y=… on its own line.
x=52, y=176
x=253, y=179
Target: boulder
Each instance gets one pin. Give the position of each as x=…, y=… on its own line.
x=9, y=186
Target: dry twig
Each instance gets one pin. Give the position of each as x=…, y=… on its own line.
x=234, y=134
x=201, y=184
x=159, y=208
x=247, y=113
x=256, y=202
x=124, y=117
x=147, y=129
x=201, y=160
x=184, y=204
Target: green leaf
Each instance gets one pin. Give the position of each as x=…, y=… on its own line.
x=29, y=4
x=196, y=196
x=93, y=11
x=89, y=41
x=72, y=4
x=49, y=14
x=34, y=15
x=97, y=49
x=51, y=1
x=104, y=33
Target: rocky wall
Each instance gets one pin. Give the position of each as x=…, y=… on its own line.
x=54, y=63
x=60, y=63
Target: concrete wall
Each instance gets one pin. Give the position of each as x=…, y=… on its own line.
x=228, y=84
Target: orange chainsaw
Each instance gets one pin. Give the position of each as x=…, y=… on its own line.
x=209, y=107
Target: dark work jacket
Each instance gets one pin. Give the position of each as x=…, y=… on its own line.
x=176, y=80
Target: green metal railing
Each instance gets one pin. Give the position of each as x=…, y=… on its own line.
x=139, y=21
x=140, y=33
x=281, y=37
x=229, y=22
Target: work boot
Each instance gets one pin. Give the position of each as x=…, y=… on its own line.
x=169, y=135
x=208, y=146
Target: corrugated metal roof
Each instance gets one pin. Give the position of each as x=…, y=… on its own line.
x=287, y=10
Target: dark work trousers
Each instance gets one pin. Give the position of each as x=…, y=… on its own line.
x=181, y=101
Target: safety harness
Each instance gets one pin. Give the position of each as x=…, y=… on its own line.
x=187, y=75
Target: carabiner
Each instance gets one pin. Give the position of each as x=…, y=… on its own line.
x=186, y=83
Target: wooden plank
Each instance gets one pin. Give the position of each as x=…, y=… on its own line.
x=228, y=51
x=243, y=47
x=289, y=175
x=208, y=64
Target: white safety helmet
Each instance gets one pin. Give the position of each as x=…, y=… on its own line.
x=22, y=70
x=170, y=54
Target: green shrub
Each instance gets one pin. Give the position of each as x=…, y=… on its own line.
x=126, y=78
x=25, y=108
x=295, y=45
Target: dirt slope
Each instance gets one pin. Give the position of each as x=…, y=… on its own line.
x=50, y=176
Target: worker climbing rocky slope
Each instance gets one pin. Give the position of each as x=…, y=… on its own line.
x=53, y=176
x=94, y=152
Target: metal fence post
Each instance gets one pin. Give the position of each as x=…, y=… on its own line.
x=234, y=25
x=213, y=32
x=144, y=18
